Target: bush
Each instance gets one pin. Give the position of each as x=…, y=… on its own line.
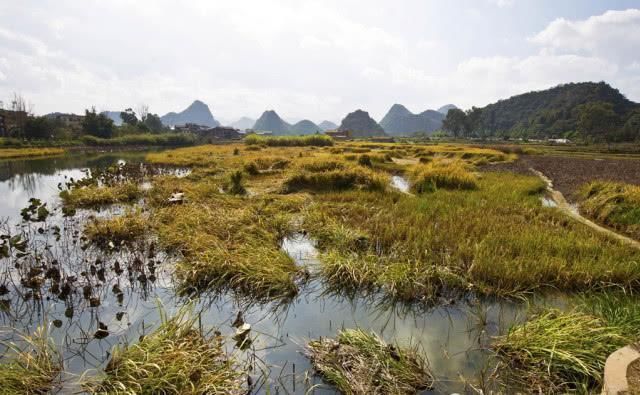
x=165, y=139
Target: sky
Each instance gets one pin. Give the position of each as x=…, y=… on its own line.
x=309, y=59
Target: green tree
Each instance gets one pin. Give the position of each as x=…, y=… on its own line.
x=38, y=128
x=597, y=121
x=472, y=122
x=98, y=125
x=153, y=122
x=455, y=122
x=129, y=117
x=631, y=128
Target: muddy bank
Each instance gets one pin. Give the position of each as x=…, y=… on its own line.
x=570, y=173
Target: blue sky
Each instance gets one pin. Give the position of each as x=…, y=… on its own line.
x=309, y=59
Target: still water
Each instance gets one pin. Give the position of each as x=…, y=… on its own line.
x=96, y=300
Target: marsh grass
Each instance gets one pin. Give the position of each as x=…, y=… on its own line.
x=496, y=239
x=200, y=156
x=317, y=140
x=118, y=230
x=335, y=180
x=231, y=243
x=32, y=368
x=174, y=359
x=94, y=195
x=560, y=351
x=614, y=204
x=358, y=362
x=443, y=174
x=12, y=153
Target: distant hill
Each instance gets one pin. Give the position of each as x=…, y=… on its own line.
x=198, y=112
x=445, y=109
x=243, y=123
x=270, y=121
x=114, y=116
x=399, y=121
x=304, y=127
x=360, y=124
x=551, y=112
x=327, y=125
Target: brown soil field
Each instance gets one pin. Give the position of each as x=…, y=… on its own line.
x=570, y=173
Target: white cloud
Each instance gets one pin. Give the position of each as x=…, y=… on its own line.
x=613, y=35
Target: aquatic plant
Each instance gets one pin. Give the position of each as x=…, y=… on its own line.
x=117, y=230
x=358, y=362
x=32, y=368
x=94, y=195
x=174, y=359
x=230, y=243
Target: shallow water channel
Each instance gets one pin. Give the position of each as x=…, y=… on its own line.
x=114, y=298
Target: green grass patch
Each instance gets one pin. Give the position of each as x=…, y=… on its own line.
x=358, y=362
x=443, y=174
x=32, y=368
x=614, y=204
x=93, y=195
x=231, y=243
x=560, y=351
x=174, y=359
x=118, y=230
x=12, y=153
x=496, y=239
x=146, y=139
x=335, y=180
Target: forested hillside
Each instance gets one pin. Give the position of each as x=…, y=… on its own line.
x=586, y=110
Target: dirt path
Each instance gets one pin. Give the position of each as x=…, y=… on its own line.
x=573, y=212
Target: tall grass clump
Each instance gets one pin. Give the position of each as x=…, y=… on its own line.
x=560, y=352
x=335, y=180
x=12, y=153
x=443, y=174
x=94, y=195
x=358, y=362
x=317, y=140
x=234, y=184
x=229, y=243
x=174, y=359
x=614, y=204
x=117, y=230
x=30, y=369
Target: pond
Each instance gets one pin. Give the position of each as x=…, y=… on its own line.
x=97, y=300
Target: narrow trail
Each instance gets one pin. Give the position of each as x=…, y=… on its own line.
x=573, y=212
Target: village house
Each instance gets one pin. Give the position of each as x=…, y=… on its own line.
x=219, y=133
